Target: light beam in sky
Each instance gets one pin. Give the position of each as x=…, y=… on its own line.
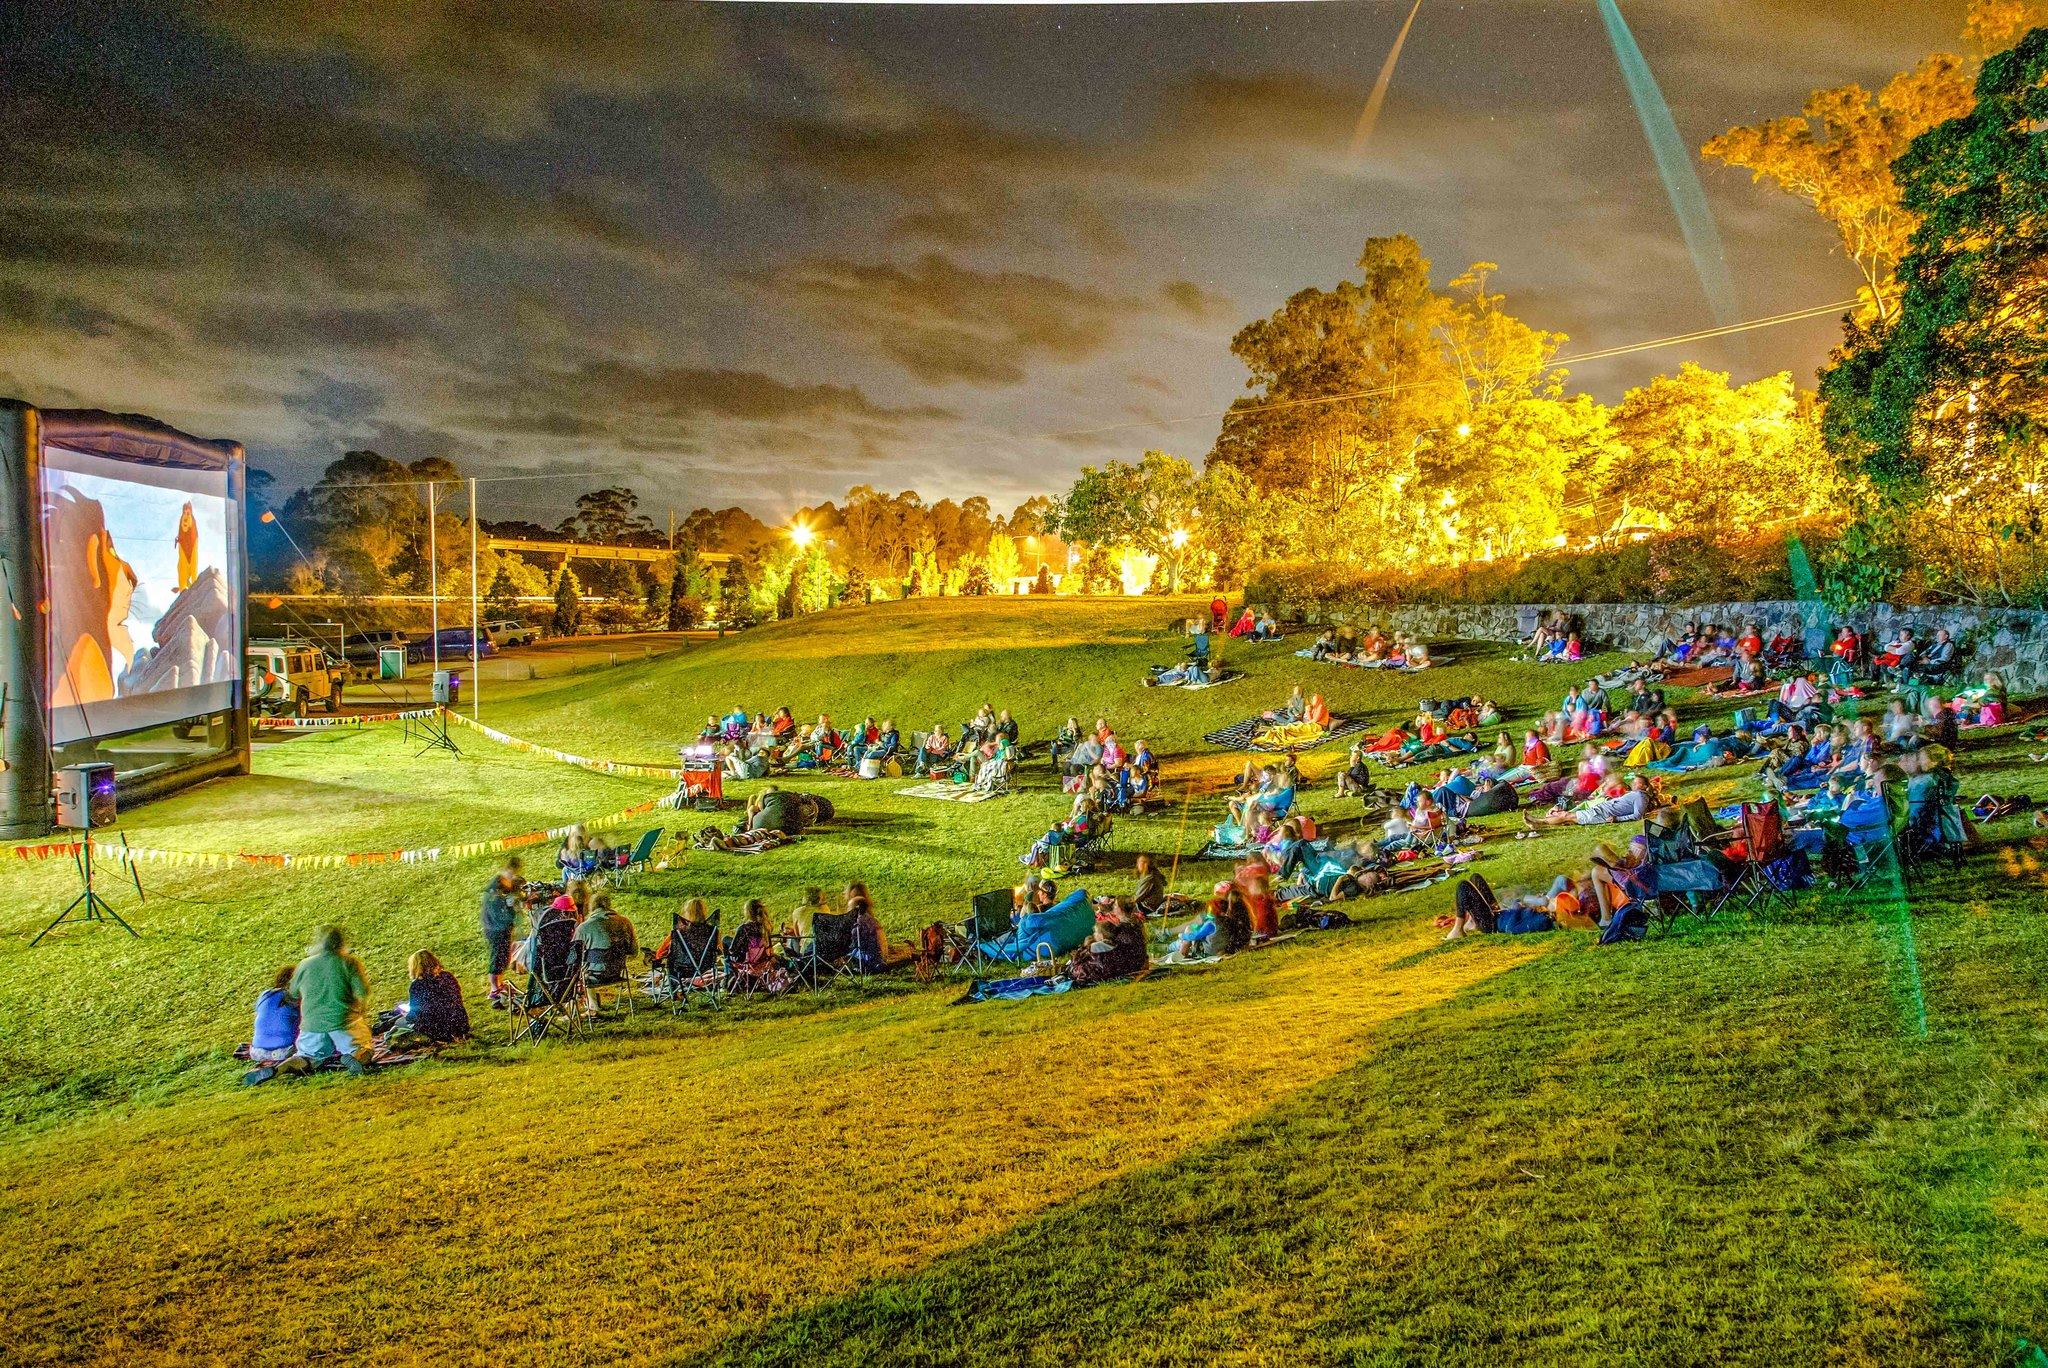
x=1674, y=163
x=1371, y=114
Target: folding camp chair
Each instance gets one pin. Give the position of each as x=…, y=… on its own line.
x=693, y=963
x=832, y=955
x=1684, y=876
x=546, y=1008
x=1763, y=838
x=641, y=856
x=988, y=920
x=594, y=985
x=552, y=1001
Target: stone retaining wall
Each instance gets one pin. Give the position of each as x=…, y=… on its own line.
x=2013, y=641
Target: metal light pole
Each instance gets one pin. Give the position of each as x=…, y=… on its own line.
x=476, y=675
x=434, y=575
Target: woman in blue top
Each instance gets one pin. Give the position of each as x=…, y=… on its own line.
x=276, y=1029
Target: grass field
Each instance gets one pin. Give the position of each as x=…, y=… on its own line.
x=1731, y=1144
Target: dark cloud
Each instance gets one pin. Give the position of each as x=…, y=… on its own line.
x=944, y=323
x=775, y=248
x=1196, y=302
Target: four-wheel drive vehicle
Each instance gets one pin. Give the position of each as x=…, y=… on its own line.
x=291, y=676
x=508, y=632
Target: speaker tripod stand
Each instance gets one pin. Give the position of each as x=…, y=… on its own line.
x=89, y=906
x=432, y=732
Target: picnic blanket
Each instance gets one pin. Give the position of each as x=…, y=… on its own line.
x=1227, y=677
x=1309, y=654
x=946, y=791
x=1173, y=958
x=1698, y=678
x=1013, y=989
x=1257, y=734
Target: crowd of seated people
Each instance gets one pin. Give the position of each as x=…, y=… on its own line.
x=1374, y=649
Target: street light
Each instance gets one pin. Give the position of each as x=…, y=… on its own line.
x=1179, y=538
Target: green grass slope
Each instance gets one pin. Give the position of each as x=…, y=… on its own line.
x=1729, y=1145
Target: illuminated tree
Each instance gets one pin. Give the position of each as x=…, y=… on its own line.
x=1343, y=381
x=1120, y=504
x=1003, y=562
x=568, y=618
x=1708, y=456
x=1944, y=407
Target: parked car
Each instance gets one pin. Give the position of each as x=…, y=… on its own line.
x=365, y=647
x=303, y=673
x=454, y=645
x=510, y=632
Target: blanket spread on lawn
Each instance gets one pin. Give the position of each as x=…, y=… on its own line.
x=1246, y=735
x=947, y=792
x=1309, y=654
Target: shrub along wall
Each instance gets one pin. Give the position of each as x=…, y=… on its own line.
x=2013, y=641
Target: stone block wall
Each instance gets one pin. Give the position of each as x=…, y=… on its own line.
x=2012, y=641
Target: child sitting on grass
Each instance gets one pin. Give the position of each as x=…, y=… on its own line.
x=276, y=1030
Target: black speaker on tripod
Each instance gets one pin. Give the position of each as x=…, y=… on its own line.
x=85, y=797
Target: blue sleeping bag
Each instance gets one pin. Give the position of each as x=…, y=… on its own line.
x=1057, y=930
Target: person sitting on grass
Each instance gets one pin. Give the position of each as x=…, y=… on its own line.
x=1116, y=950
x=276, y=1031
x=1246, y=624
x=1150, y=896
x=1064, y=741
x=872, y=952
x=1937, y=722
x=333, y=996
x=1293, y=710
x=1901, y=726
x=1224, y=928
x=1355, y=779
x=434, y=1013
x=711, y=733
x=1983, y=706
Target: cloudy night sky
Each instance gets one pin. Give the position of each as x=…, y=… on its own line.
x=760, y=253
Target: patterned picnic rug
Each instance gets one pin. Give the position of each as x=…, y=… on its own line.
x=1252, y=735
x=947, y=792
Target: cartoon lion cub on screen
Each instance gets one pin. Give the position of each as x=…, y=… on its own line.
x=91, y=589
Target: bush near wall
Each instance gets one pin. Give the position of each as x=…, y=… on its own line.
x=1677, y=569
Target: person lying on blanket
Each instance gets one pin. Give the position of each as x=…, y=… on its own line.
x=1388, y=742
x=1626, y=806
x=1116, y=950
x=1180, y=676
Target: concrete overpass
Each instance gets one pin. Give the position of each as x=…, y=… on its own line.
x=569, y=550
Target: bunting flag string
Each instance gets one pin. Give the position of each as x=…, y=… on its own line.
x=359, y=720
x=580, y=761
x=117, y=850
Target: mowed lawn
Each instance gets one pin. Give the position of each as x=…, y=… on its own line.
x=1736, y=1143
